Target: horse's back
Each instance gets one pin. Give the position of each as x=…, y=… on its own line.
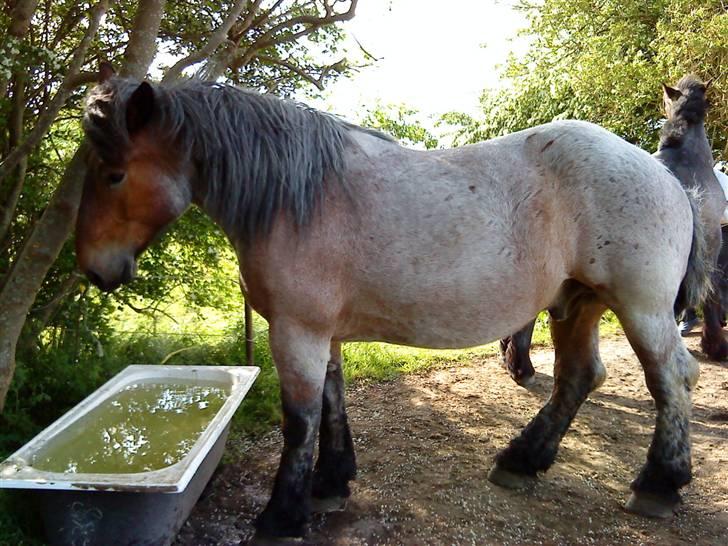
x=486, y=234
x=460, y=247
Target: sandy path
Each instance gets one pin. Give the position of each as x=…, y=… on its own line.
x=425, y=444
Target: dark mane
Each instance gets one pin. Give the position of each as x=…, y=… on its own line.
x=254, y=154
x=688, y=110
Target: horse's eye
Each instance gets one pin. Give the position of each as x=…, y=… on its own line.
x=116, y=178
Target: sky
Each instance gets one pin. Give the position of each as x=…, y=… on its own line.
x=435, y=56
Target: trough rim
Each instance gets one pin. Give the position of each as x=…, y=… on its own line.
x=17, y=472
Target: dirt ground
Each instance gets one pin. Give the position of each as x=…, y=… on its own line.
x=425, y=444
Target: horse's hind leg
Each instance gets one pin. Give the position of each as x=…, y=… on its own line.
x=713, y=342
x=670, y=373
x=578, y=370
x=722, y=285
x=336, y=463
x=516, y=359
x=300, y=357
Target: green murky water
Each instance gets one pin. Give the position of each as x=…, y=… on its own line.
x=146, y=426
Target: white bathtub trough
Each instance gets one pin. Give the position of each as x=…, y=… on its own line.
x=128, y=508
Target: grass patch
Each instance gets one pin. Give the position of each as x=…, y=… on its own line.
x=382, y=362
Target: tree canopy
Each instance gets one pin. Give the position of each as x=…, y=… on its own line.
x=604, y=61
x=50, y=52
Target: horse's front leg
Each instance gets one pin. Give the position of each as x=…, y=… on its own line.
x=336, y=464
x=300, y=357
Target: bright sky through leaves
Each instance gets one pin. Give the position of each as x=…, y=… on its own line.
x=434, y=56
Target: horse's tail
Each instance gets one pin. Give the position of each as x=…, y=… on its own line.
x=696, y=284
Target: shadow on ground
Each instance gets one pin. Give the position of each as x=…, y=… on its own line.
x=425, y=444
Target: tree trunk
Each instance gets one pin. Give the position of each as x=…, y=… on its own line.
x=142, y=45
x=42, y=316
x=10, y=200
x=34, y=261
x=56, y=223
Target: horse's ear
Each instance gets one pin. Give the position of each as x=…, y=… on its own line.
x=671, y=93
x=106, y=71
x=140, y=108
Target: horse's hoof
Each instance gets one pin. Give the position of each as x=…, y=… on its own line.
x=688, y=326
x=260, y=539
x=508, y=479
x=525, y=381
x=328, y=504
x=651, y=506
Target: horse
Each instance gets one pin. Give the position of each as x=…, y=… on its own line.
x=342, y=234
x=685, y=150
x=690, y=318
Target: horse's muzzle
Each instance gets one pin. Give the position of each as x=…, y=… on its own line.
x=109, y=282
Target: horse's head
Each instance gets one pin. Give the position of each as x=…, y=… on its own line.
x=687, y=100
x=136, y=182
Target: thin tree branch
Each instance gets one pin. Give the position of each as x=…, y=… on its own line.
x=67, y=286
x=72, y=18
x=366, y=53
x=215, y=39
x=255, y=22
x=174, y=353
x=318, y=82
x=270, y=38
x=215, y=67
x=150, y=310
x=46, y=119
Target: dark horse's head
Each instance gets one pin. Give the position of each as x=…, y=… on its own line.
x=135, y=183
x=687, y=100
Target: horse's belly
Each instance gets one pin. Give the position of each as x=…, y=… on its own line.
x=441, y=331
x=441, y=319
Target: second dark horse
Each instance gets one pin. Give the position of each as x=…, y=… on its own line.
x=685, y=150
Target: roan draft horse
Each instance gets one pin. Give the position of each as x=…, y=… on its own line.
x=685, y=150
x=342, y=234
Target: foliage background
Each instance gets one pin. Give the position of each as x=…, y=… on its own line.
x=598, y=60
x=604, y=61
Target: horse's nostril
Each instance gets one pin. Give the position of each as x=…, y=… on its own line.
x=128, y=273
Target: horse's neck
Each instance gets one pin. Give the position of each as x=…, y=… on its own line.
x=199, y=189
x=688, y=137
